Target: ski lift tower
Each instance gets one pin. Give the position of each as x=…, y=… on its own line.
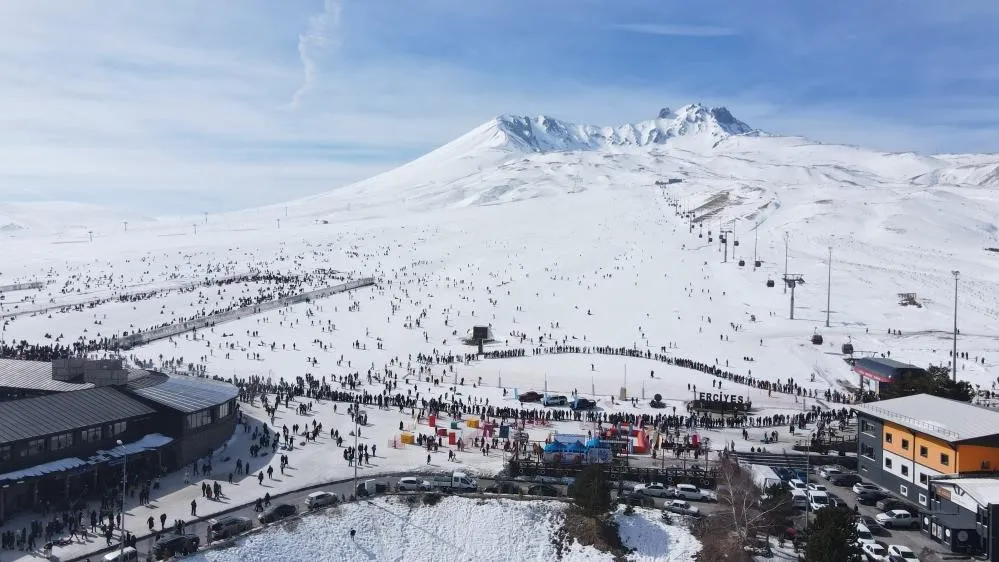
x=792, y=280
x=724, y=240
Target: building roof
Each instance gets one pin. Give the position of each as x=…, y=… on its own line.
x=887, y=362
x=34, y=375
x=66, y=411
x=182, y=393
x=945, y=419
x=985, y=491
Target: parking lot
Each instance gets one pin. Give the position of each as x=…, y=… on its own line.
x=914, y=538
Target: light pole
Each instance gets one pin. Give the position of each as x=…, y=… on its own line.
x=787, y=238
x=956, y=274
x=124, y=468
x=829, y=287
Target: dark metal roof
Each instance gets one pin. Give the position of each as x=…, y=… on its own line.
x=183, y=393
x=66, y=411
x=34, y=375
x=889, y=368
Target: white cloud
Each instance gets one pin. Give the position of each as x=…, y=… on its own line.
x=318, y=36
x=681, y=30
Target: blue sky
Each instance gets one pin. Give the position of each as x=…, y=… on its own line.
x=190, y=106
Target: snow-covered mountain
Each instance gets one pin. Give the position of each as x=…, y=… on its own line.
x=547, y=134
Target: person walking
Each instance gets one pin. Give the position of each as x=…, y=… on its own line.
x=194, y=508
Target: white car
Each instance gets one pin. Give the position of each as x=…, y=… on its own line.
x=797, y=484
x=864, y=535
x=656, y=490
x=681, y=507
x=816, y=487
x=315, y=500
x=412, y=484
x=693, y=493
x=862, y=487
x=554, y=401
x=902, y=552
x=818, y=500
x=874, y=552
x=827, y=471
x=897, y=519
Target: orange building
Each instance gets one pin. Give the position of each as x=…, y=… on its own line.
x=904, y=443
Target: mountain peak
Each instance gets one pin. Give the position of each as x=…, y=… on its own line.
x=547, y=134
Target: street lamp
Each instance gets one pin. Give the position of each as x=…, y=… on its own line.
x=956, y=275
x=124, y=467
x=787, y=239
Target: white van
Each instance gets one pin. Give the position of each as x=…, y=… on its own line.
x=799, y=499
x=818, y=500
x=797, y=484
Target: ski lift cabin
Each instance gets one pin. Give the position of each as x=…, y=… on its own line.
x=847, y=349
x=742, y=263
x=770, y=283
x=817, y=338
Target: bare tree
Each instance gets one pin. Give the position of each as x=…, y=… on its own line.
x=750, y=512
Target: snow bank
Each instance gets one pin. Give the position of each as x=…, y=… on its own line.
x=652, y=540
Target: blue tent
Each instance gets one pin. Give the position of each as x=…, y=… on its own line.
x=576, y=447
x=554, y=447
x=594, y=443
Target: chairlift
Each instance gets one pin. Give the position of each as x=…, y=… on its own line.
x=699, y=235
x=742, y=263
x=710, y=239
x=770, y=283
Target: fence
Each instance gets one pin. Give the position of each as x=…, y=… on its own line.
x=669, y=476
x=141, y=338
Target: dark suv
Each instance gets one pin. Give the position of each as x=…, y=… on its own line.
x=175, y=544
x=846, y=480
x=277, y=512
x=228, y=526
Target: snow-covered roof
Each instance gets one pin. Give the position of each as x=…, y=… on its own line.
x=946, y=419
x=42, y=469
x=34, y=375
x=985, y=491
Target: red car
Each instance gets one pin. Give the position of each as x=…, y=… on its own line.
x=530, y=397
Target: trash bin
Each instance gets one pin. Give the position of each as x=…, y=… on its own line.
x=452, y=438
x=433, y=421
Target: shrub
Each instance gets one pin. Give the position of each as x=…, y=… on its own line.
x=591, y=491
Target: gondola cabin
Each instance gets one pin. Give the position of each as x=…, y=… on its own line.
x=770, y=283
x=817, y=339
x=742, y=263
x=847, y=349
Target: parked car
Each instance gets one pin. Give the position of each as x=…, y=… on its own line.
x=554, y=401
x=681, y=507
x=889, y=503
x=860, y=487
x=835, y=500
x=455, y=482
x=845, y=479
x=798, y=484
x=692, y=493
x=655, y=489
x=277, y=512
x=903, y=552
x=897, y=519
x=370, y=488
x=503, y=488
x=816, y=487
x=228, y=526
x=870, y=497
x=127, y=554
x=871, y=523
x=412, y=484
x=582, y=404
x=864, y=534
x=817, y=500
x=315, y=500
x=637, y=500
x=529, y=396
x=170, y=545
x=543, y=490
x=874, y=552
x=828, y=472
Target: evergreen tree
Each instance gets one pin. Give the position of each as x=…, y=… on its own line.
x=832, y=536
x=591, y=490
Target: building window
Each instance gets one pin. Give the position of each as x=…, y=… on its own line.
x=905, y=444
x=91, y=435
x=905, y=470
x=887, y=463
x=903, y=490
x=224, y=410
x=923, y=451
x=867, y=451
x=5, y=453
x=923, y=479
x=61, y=441
x=198, y=419
x=887, y=437
x=117, y=428
x=922, y=499
x=986, y=465
x=35, y=447
x=945, y=459
x=867, y=427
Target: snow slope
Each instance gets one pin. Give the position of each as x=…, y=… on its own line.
x=457, y=529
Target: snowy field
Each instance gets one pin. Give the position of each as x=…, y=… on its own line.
x=456, y=529
x=578, y=248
